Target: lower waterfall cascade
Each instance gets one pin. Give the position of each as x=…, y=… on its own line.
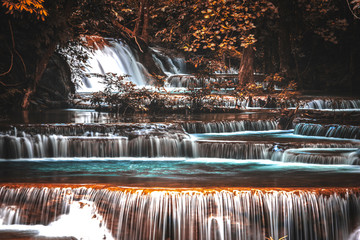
x=191, y=214
x=186, y=179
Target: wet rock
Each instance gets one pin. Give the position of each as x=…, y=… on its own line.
x=271, y=102
x=55, y=85
x=286, y=118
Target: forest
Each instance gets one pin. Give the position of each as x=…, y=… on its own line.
x=307, y=45
x=180, y=119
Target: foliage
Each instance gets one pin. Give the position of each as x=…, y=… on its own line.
x=309, y=36
x=223, y=25
x=76, y=56
x=9, y=99
x=319, y=18
x=157, y=102
x=199, y=99
x=211, y=29
x=117, y=93
x=35, y=7
x=216, y=25
x=121, y=96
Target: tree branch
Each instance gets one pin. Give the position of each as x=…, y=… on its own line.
x=11, y=65
x=13, y=43
x=128, y=32
x=351, y=10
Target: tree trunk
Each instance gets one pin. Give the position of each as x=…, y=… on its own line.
x=145, y=33
x=354, y=72
x=40, y=68
x=285, y=57
x=43, y=61
x=268, y=54
x=139, y=18
x=246, y=70
x=284, y=51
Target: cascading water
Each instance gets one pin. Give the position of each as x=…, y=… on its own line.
x=169, y=65
x=144, y=154
x=229, y=126
x=338, y=131
x=172, y=67
x=146, y=142
x=233, y=150
x=222, y=178
x=332, y=104
x=212, y=214
x=318, y=156
x=153, y=141
x=116, y=58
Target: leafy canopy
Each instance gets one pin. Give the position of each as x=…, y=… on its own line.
x=35, y=7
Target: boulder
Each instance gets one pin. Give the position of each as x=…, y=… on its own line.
x=56, y=84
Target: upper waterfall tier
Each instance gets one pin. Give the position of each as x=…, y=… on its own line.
x=169, y=65
x=117, y=58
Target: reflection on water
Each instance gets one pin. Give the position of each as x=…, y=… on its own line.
x=178, y=172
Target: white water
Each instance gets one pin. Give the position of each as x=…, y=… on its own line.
x=117, y=58
x=82, y=222
x=170, y=66
x=41, y=146
x=355, y=235
x=318, y=156
x=333, y=131
x=155, y=140
x=331, y=104
x=187, y=214
x=229, y=126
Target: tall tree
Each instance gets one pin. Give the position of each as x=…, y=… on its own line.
x=216, y=28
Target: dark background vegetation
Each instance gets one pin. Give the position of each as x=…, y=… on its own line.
x=312, y=43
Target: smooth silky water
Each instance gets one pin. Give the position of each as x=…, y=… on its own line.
x=211, y=176
x=68, y=174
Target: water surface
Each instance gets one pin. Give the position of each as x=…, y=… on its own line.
x=178, y=172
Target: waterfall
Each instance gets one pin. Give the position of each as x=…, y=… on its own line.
x=173, y=67
x=88, y=140
x=93, y=129
x=229, y=126
x=332, y=104
x=157, y=140
x=152, y=146
x=169, y=65
x=233, y=150
x=117, y=58
x=318, y=156
x=338, y=131
x=43, y=146
x=191, y=214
